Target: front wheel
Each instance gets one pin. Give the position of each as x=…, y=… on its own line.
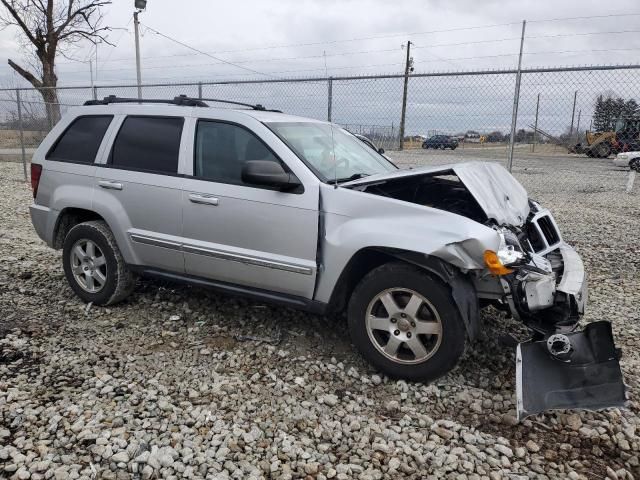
x=94, y=266
x=405, y=323
x=635, y=164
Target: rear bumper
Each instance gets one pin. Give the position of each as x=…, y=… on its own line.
x=43, y=220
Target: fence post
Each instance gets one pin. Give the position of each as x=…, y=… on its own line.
x=516, y=99
x=404, y=96
x=329, y=98
x=95, y=92
x=20, y=126
x=535, y=126
x=200, y=90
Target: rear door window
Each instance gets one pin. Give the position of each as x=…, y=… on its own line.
x=81, y=140
x=149, y=144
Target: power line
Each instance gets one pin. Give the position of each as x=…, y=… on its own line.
x=258, y=60
x=328, y=42
x=202, y=52
x=583, y=51
x=585, y=17
x=580, y=34
x=117, y=42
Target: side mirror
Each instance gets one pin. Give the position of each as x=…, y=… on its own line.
x=269, y=174
x=381, y=150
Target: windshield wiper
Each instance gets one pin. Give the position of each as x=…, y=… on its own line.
x=355, y=176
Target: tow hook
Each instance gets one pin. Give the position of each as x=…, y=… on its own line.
x=559, y=346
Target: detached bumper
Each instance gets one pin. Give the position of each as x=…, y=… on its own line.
x=579, y=370
x=574, y=280
x=551, y=292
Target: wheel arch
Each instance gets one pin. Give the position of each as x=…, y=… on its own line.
x=365, y=260
x=68, y=218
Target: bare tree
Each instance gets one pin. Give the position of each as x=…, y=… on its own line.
x=46, y=28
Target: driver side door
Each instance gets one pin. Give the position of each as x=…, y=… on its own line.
x=243, y=234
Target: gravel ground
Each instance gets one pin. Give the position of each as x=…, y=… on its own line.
x=178, y=382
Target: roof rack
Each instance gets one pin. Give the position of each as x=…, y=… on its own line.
x=181, y=100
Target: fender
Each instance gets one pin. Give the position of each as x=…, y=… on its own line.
x=462, y=288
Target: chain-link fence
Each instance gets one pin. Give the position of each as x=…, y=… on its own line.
x=569, y=120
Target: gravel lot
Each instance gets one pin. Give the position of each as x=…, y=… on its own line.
x=179, y=382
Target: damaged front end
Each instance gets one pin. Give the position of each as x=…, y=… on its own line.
x=533, y=275
x=543, y=283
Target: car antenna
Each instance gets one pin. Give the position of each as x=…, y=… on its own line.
x=333, y=143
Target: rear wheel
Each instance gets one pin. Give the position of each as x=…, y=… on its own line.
x=405, y=323
x=635, y=164
x=94, y=266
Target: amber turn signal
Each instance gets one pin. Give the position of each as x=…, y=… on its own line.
x=494, y=264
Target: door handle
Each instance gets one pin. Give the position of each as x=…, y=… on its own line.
x=110, y=185
x=203, y=199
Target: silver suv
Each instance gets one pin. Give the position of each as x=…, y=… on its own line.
x=301, y=213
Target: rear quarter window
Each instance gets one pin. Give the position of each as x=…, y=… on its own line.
x=80, y=142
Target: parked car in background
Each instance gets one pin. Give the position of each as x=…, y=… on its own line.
x=628, y=159
x=441, y=141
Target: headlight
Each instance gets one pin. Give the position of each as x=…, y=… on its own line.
x=507, y=255
x=623, y=156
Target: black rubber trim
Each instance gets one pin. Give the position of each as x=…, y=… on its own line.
x=276, y=298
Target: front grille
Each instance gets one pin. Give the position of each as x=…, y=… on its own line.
x=549, y=230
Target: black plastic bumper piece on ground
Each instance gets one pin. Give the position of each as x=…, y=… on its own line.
x=589, y=377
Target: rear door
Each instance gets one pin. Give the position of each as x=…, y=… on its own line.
x=139, y=189
x=243, y=234
x=69, y=162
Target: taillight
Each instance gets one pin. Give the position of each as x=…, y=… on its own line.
x=36, y=171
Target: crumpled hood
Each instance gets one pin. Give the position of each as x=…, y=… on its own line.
x=499, y=194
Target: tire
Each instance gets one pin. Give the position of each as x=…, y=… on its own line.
x=602, y=150
x=443, y=146
x=424, y=146
x=453, y=148
x=634, y=164
x=102, y=278
x=372, y=328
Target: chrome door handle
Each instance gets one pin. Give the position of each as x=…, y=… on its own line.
x=110, y=185
x=203, y=199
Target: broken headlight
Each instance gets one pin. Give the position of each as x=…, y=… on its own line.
x=509, y=254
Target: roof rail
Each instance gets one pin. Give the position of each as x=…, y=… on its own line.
x=181, y=100
x=253, y=107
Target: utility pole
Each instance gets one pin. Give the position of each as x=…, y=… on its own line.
x=573, y=113
x=91, y=71
x=137, y=35
x=535, y=125
x=516, y=99
x=407, y=68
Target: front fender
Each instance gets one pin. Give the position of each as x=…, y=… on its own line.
x=354, y=220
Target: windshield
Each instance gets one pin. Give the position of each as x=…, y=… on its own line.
x=315, y=144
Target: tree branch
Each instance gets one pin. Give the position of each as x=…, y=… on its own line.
x=12, y=11
x=28, y=76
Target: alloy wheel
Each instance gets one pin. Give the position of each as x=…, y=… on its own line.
x=89, y=265
x=404, y=326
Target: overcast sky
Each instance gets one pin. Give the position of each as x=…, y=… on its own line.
x=246, y=27
x=299, y=38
